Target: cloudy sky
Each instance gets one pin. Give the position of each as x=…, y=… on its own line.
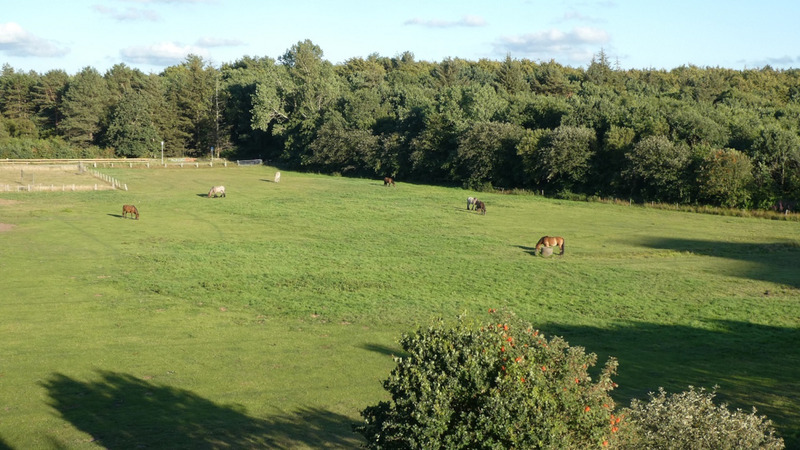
x=153, y=34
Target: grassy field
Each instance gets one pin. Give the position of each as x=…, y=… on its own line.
x=268, y=318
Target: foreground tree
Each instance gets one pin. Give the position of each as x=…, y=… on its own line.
x=500, y=385
x=691, y=420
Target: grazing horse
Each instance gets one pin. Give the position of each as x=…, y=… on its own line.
x=130, y=209
x=550, y=241
x=480, y=206
x=471, y=202
x=217, y=190
x=388, y=181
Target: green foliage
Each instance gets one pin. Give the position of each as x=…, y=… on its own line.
x=658, y=167
x=690, y=419
x=560, y=158
x=85, y=106
x=131, y=131
x=725, y=178
x=486, y=152
x=778, y=150
x=497, y=385
x=25, y=148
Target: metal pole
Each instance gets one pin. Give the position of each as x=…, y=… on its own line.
x=162, y=152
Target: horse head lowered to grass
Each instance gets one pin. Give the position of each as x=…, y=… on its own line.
x=217, y=191
x=550, y=241
x=130, y=209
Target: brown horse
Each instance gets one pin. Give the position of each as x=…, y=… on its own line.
x=550, y=241
x=388, y=181
x=480, y=207
x=130, y=209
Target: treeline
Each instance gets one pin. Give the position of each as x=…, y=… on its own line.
x=689, y=135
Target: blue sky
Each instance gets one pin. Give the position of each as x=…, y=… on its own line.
x=636, y=34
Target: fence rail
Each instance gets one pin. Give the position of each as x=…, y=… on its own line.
x=118, y=162
x=55, y=187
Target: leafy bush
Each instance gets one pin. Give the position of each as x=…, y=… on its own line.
x=500, y=385
x=26, y=148
x=691, y=420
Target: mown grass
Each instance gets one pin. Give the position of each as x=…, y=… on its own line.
x=268, y=318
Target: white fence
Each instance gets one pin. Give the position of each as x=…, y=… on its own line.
x=115, y=184
x=56, y=187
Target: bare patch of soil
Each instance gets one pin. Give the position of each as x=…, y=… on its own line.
x=6, y=227
x=5, y=201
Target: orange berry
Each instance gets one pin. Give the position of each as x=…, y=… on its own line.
x=587, y=409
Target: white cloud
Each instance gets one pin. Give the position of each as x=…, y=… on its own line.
x=207, y=42
x=465, y=21
x=577, y=44
x=129, y=14
x=15, y=41
x=161, y=54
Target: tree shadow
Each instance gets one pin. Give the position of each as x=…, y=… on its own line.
x=121, y=411
x=775, y=262
x=3, y=445
x=754, y=365
x=384, y=350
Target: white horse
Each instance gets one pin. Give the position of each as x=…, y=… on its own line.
x=471, y=201
x=216, y=190
x=277, y=177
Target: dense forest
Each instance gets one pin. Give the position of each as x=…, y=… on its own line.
x=689, y=135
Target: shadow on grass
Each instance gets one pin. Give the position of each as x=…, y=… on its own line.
x=122, y=411
x=754, y=365
x=775, y=262
x=388, y=351
x=3, y=445
x=529, y=250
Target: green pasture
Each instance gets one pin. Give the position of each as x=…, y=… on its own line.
x=268, y=319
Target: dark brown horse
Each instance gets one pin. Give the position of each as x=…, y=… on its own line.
x=550, y=241
x=130, y=209
x=388, y=181
x=480, y=207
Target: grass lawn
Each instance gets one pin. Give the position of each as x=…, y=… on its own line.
x=269, y=318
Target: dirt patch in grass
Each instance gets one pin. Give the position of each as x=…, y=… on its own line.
x=5, y=227
x=5, y=201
